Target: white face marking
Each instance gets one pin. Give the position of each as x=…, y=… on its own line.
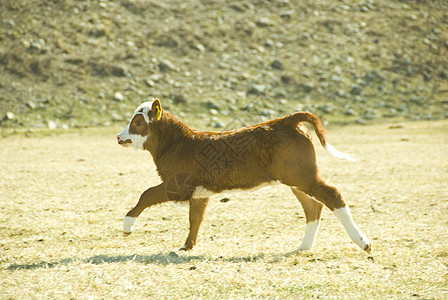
x=310, y=235
x=345, y=216
x=137, y=140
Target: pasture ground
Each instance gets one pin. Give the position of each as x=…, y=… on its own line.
x=63, y=197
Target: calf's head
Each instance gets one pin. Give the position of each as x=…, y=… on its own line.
x=137, y=131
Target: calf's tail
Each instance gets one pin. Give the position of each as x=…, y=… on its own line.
x=314, y=120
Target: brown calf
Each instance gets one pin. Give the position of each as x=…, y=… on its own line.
x=194, y=164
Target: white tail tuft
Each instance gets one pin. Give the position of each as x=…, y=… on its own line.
x=335, y=152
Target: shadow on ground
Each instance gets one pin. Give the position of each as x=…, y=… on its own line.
x=159, y=259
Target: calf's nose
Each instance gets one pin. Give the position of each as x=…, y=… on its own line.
x=118, y=138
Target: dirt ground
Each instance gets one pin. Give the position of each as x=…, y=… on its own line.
x=63, y=197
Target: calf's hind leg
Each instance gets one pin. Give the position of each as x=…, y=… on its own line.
x=197, y=212
x=153, y=195
x=332, y=198
x=313, y=210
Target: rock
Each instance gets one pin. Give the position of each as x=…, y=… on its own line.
x=218, y=124
x=200, y=47
x=31, y=104
x=269, y=43
x=416, y=100
x=37, y=46
x=11, y=23
x=277, y=64
x=173, y=255
x=256, y=89
x=178, y=99
x=364, y=8
x=267, y=112
x=155, y=77
x=52, y=125
x=356, y=89
x=213, y=111
x=326, y=109
x=9, y=116
x=350, y=112
x=287, y=15
x=115, y=116
x=165, y=65
x=264, y=22
x=149, y=83
x=118, y=96
x=306, y=87
x=211, y=105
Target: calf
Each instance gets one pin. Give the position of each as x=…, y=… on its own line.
x=195, y=164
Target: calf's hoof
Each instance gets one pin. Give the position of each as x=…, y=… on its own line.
x=186, y=247
x=368, y=248
x=125, y=234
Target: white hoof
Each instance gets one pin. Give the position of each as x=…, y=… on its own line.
x=304, y=248
x=128, y=225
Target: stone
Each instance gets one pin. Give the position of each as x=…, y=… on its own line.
x=211, y=105
x=218, y=124
x=277, y=64
x=52, y=125
x=306, y=87
x=287, y=15
x=118, y=96
x=173, y=255
x=178, y=98
x=267, y=112
x=416, y=100
x=165, y=65
x=356, y=89
x=200, y=47
x=256, y=89
x=149, y=83
x=10, y=116
x=265, y=22
x=350, y=112
x=31, y=104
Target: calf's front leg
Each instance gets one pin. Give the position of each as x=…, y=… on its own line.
x=197, y=212
x=153, y=195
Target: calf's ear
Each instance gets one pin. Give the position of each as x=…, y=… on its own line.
x=156, y=110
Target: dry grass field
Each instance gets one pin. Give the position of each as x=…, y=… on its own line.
x=63, y=197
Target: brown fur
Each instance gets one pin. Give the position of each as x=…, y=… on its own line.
x=276, y=150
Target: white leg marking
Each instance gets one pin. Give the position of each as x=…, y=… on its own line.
x=310, y=234
x=128, y=225
x=345, y=216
